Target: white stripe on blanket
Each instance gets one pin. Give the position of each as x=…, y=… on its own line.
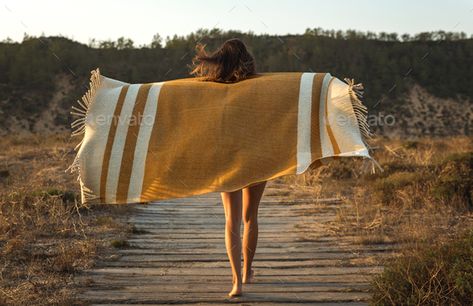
x=141, y=149
x=304, y=151
x=344, y=127
x=119, y=142
x=98, y=122
x=327, y=149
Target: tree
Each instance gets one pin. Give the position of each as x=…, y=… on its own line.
x=406, y=37
x=8, y=40
x=106, y=44
x=124, y=43
x=156, y=43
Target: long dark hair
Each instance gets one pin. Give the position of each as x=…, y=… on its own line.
x=231, y=62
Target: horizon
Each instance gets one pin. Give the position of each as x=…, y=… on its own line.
x=94, y=43
x=81, y=23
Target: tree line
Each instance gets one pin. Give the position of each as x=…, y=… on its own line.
x=387, y=63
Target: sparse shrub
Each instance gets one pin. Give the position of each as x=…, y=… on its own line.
x=455, y=179
x=120, y=243
x=385, y=189
x=105, y=221
x=70, y=196
x=67, y=196
x=392, y=167
x=441, y=274
x=340, y=169
x=72, y=257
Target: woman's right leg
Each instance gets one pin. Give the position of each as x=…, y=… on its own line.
x=232, y=205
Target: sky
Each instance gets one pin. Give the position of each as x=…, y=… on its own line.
x=141, y=19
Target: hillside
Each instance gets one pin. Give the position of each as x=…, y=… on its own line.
x=423, y=82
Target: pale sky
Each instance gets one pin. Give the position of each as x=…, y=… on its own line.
x=141, y=19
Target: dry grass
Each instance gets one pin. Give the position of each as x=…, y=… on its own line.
x=46, y=236
x=437, y=274
x=422, y=200
x=424, y=192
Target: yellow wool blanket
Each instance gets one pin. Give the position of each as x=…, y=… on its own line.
x=145, y=142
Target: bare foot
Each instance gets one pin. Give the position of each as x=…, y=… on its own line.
x=248, y=278
x=236, y=290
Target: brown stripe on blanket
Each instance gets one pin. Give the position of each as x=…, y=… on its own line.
x=316, y=146
x=110, y=139
x=336, y=148
x=130, y=142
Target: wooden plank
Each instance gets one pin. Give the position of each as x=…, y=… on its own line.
x=266, y=271
x=266, y=254
x=259, y=304
x=255, y=287
x=198, y=244
x=249, y=297
x=149, y=263
x=218, y=237
x=278, y=282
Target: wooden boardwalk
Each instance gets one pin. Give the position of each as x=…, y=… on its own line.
x=177, y=256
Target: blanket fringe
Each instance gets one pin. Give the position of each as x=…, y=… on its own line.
x=361, y=113
x=80, y=111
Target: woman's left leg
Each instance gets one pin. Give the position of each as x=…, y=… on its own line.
x=232, y=205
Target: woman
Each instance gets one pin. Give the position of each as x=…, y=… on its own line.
x=230, y=63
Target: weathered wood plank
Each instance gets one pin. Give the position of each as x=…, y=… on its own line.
x=266, y=271
x=295, y=246
x=259, y=304
x=145, y=262
x=249, y=297
x=178, y=280
x=277, y=255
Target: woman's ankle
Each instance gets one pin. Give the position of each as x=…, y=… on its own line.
x=237, y=280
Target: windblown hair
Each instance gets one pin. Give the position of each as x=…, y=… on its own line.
x=231, y=62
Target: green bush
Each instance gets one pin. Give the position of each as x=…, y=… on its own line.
x=455, y=180
x=385, y=188
x=431, y=275
x=448, y=181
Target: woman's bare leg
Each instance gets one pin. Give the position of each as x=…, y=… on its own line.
x=251, y=199
x=232, y=205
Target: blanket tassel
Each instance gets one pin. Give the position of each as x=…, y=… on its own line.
x=361, y=112
x=80, y=111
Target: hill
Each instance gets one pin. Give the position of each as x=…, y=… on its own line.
x=418, y=85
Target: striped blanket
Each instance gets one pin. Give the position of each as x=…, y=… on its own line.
x=145, y=142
